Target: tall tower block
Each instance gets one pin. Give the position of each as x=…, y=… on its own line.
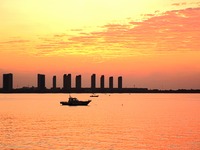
x=78, y=81
x=54, y=82
x=41, y=82
x=8, y=82
x=102, y=80
x=93, y=81
x=110, y=82
x=120, y=82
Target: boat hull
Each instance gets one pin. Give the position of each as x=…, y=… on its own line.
x=94, y=96
x=76, y=103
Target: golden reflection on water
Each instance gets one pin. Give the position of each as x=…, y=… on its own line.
x=115, y=121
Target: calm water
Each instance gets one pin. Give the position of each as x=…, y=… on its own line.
x=111, y=122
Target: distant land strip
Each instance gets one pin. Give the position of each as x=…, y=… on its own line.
x=98, y=90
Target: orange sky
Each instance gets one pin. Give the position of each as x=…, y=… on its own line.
x=153, y=44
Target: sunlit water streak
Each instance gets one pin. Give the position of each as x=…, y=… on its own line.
x=115, y=121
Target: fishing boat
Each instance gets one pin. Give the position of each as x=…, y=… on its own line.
x=94, y=95
x=73, y=101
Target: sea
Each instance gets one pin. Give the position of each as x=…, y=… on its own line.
x=109, y=122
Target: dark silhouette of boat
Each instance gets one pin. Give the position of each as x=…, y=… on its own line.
x=94, y=95
x=75, y=102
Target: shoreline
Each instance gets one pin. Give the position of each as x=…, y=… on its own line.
x=98, y=90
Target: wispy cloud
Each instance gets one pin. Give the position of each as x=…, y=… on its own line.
x=176, y=30
x=15, y=44
x=179, y=4
x=14, y=41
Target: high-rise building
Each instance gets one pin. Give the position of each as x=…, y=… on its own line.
x=78, y=81
x=111, y=82
x=102, y=82
x=93, y=81
x=120, y=82
x=8, y=82
x=64, y=81
x=41, y=82
x=54, y=82
x=67, y=81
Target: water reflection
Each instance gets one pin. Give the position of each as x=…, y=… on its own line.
x=144, y=121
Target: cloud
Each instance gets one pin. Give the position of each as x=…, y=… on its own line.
x=15, y=41
x=179, y=4
x=15, y=44
x=176, y=30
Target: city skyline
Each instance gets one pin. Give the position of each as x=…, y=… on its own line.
x=66, y=83
x=79, y=87
x=152, y=44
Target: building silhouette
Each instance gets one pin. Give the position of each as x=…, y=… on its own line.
x=120, y=82
x=41, y=82
x=78, y=81
x=64, y=81
x=110, y=82
x=102, y=79
x=54, y=82
x=67, y=81
x=93, y=81
x=8, y=82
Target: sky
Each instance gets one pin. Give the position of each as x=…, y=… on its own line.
x=152, y=44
